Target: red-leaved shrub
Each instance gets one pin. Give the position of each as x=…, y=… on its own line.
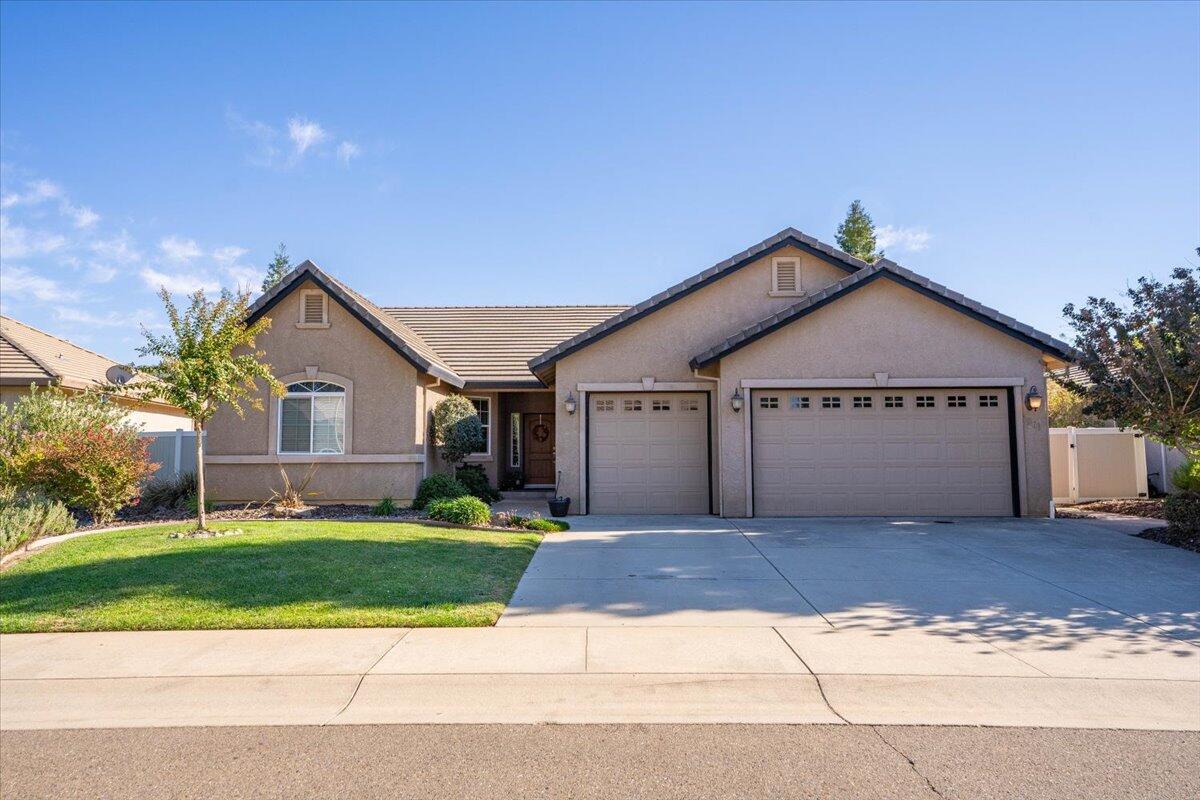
x=98, y=469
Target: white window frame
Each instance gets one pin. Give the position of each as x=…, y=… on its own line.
x=487, y=429
x=324, y=323
x=312, y=399
x=775, y=290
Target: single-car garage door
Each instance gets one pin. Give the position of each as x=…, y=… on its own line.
x=850, y=452
x=648, y=453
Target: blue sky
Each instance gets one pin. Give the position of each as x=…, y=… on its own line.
x=1026, y=155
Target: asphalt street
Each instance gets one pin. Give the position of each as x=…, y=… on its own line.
x=599, y=761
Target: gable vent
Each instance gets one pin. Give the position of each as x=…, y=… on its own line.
x=786, y=276
x=314, y=308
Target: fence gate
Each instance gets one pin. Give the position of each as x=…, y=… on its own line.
x=1097, y=464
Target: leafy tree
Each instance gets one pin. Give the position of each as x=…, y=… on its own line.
x=280, y=265
x=1066, y=408
x=207, y=361
x=1143, y=358
x=856, y=234
x=457, y=430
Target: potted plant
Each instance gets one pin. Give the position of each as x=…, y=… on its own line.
x=559, y=505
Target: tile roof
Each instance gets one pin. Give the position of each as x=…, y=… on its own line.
x=886, y=268
x=492, y=345
x=395, y=333
x=543, y=364
x=28, y=355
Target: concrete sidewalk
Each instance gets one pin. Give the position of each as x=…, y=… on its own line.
x=597, y=674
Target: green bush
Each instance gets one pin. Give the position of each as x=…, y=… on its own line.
x=1187, y=477
x=193, y=505
x=462, y=511
x=29, y=515
x=169, y=492
x=438, y=487
x=545, y=525
x=1182, y=511
x=475, y=479
x=384, y=508
x=456, y=428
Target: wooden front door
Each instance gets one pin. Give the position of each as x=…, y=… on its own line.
x=539, y=448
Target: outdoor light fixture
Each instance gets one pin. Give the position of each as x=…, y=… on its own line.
x=1033, y=400
x=736, y=400
x=570, y=403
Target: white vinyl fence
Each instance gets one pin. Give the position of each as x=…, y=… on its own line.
x=1161, y=463
x=1097, y=464
x=173, y=451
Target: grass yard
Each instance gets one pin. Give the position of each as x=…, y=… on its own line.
x=303, y=574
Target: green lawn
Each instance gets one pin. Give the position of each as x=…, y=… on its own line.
x=274, y=575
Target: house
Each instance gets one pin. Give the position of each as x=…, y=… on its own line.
x=32, y=357
x=789, y=379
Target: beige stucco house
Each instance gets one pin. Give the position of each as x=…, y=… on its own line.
x=789, y=379
x=32, y=357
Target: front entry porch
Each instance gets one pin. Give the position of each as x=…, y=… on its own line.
x=527, y=450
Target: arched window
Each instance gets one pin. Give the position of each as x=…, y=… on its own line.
x=312, y=418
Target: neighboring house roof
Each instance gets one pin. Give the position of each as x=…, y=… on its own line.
x=543, y=365
x=29, y=355
x=392, y=331
x=885, y=268
x=490, y=346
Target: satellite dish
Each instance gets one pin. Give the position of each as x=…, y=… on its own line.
x=118, y=375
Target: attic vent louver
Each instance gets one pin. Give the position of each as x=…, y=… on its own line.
x=314, y=308
x=785, y=277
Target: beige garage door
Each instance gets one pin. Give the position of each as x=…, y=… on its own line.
x=850, y=452
x=648, y=453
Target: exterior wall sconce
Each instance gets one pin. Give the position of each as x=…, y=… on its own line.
x=737, y=400
x=1033, y=400
x=570, y=403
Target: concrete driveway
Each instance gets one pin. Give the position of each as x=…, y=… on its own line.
x=1016, y=581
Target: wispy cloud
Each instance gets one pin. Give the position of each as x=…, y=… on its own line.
x=180, y=250
x=911, y=239
x=120, y=248
x=305, y=134
x=17, y=241
x=82, y=216
x=290, y=144
x=178, y=282
x=348, y=150
x=113, y=319
x=38, y=191
x=20, y=281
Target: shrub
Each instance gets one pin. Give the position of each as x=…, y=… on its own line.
x=457, y=430
x=29, y=515
x=438, y=487
x=100, y=470
x=1187, y=477
x=192, y=504
x=545, y=525
x=475, y=479
x=384, y=508
x=169, y=492
x=1182, y=511
x=461, y=510
x=512, y=479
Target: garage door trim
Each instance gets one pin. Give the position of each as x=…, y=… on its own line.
x=587, y=438
x=1014, y=471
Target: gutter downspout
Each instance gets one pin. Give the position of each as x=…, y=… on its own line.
x=717, y=439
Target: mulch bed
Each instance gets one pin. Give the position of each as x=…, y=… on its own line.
x=1152, y=508
x=1176, y=537
x=342, y=511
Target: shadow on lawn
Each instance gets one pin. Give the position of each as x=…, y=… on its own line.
x=346, y=573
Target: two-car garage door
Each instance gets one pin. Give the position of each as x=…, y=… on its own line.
x=881, y=452
x=648, y=453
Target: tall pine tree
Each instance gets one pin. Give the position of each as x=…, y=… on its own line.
x=280, y=265
x=856, y=234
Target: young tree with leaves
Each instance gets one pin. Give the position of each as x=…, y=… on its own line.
x=280, y=265
x=1143, y=358
x=856, y=234
x=457, y=429
x=208, y=360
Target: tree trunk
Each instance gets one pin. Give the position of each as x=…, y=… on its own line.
x=202, y=518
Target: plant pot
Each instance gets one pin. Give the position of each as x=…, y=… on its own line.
x=559, y=506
